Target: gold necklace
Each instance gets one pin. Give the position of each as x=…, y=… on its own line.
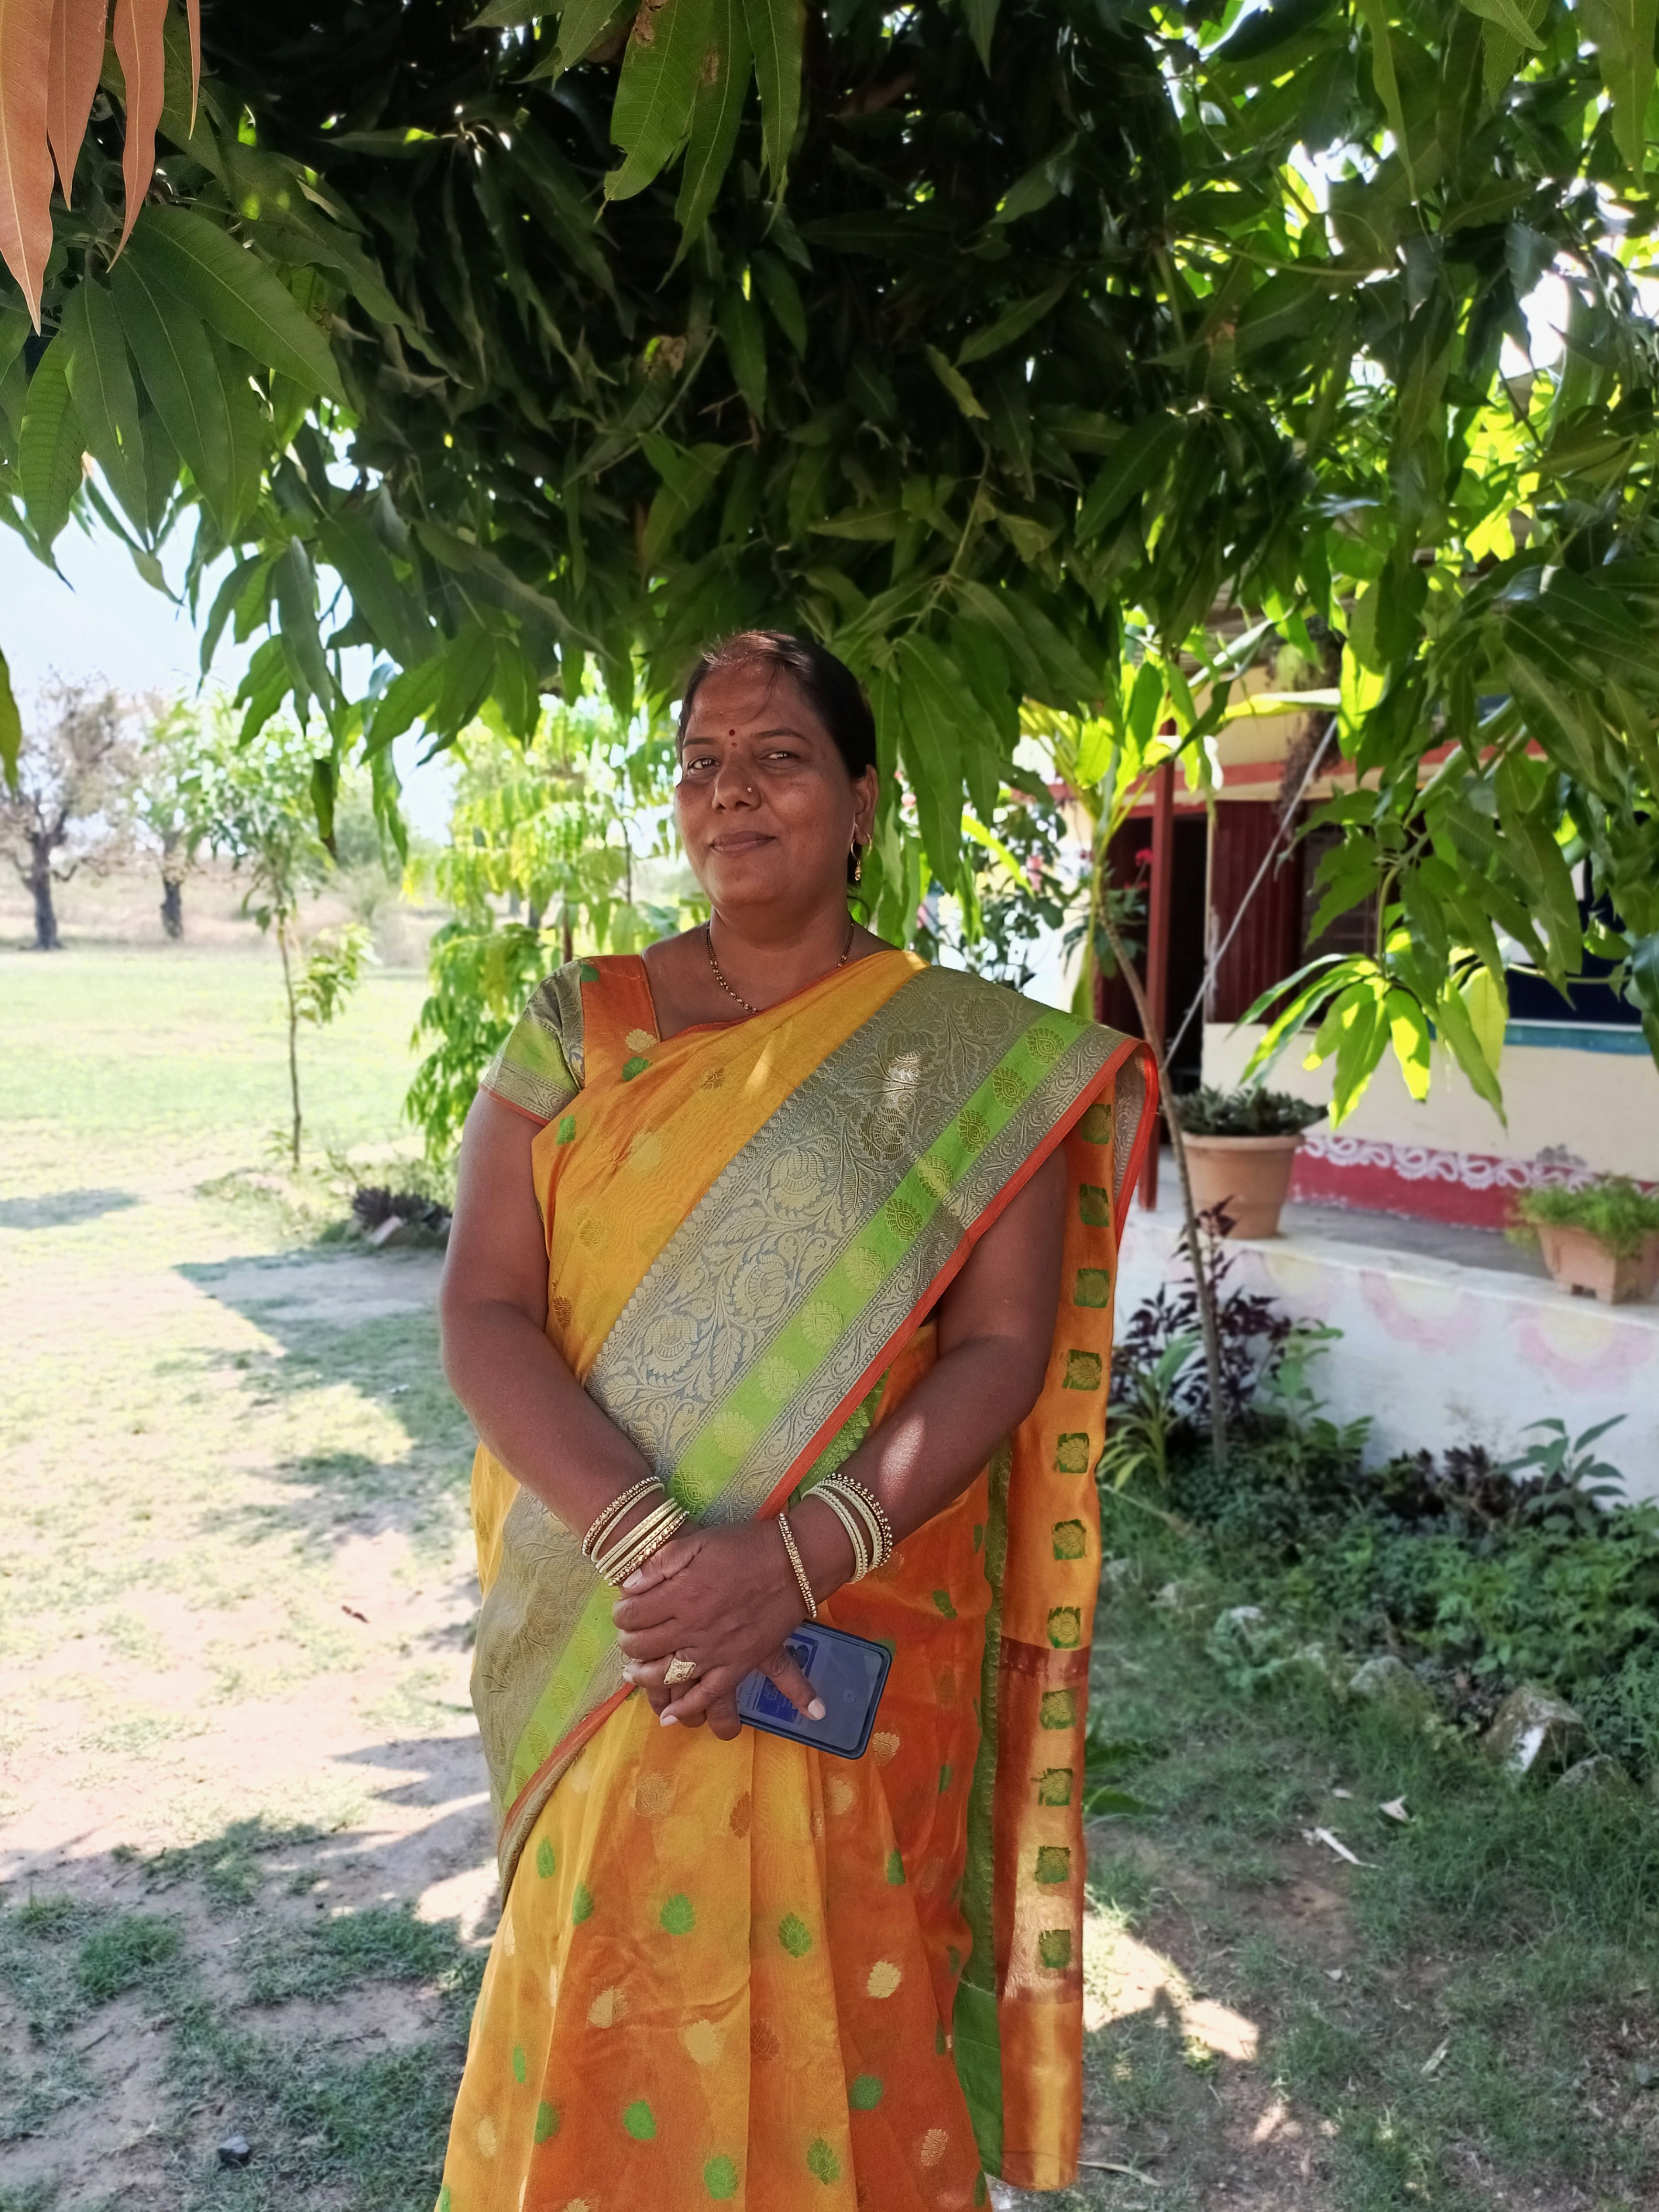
x=719, y=976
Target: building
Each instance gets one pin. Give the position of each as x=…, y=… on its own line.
x=1395, y=1232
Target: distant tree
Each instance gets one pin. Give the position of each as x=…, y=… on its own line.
x=167, y=800
x=556, y=847
x=68, y=807
x=254, y=801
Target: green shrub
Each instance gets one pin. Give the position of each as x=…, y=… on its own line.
x=1251, y=1112
x=1616, y=1210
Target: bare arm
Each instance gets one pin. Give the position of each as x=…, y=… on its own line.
x=526, y=1406
x=728, y=1596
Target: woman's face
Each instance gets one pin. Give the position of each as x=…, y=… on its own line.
x=767, y=810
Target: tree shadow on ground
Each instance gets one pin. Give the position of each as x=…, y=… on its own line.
x=64, y=1209
x=368, y=1325
x=271, y=1982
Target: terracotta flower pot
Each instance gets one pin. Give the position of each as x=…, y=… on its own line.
x=1248, y=1177
x=1582, y=1263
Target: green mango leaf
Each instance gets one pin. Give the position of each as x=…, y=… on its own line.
x=409, y=696
x=1295, y=998
x=955, y=382
x=467, y=673
x=1137, y=463
x=11, y=727
x=1408, y=1029
x=582, y=25
x=494, y=583
x=49, y=449
x=744, y=337
x=776, y=32
x=234, y=294
x=300, y=234
x=1362, y=1037
x=932, y=761
x=225, y=600
x=1452, y=1018
x=1538, y=859
x=722, y=85
x=662, y=67
x=1383, y=73
x=1622, y=32
x=249, y=430
x=1011, y=325
x=782, y=295
x=106, y=398
x=1486, y=998
x=351, y=546
x=1510, y=17
x=170, y=345
x=1645, y=973
x=689, y=476
x=929, y=667
x=982, y=23
x=295, y=585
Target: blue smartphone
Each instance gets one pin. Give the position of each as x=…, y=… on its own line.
x=848, y=1672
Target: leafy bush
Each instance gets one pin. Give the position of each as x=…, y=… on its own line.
x=1251, y=1112
x=1616, y=1210
x=1480, y=1573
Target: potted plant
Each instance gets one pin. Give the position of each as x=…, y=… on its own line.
x=1601, y=1240
x=1240, y=1147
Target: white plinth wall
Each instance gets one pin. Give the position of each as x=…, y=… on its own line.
x=1439, y=1352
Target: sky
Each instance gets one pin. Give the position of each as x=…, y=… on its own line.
x=102, y=621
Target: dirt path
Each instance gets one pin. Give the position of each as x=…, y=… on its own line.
x=236, y=1597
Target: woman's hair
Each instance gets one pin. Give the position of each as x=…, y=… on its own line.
x=828, y=685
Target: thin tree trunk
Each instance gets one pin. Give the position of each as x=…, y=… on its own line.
x=46, y=914
x=293, y=1036
x=174, y=864
x=1208, y=1325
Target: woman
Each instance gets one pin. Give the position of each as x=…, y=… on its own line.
x=824, y=1238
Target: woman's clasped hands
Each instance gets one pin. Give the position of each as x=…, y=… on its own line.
x=725, y=1598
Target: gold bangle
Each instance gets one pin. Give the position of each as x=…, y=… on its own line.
x=870, y=1510
x=605, y=1521
x=849, y=1521
x=617, y=1571
x=607, y=1562
x=788, y=1536
x=633, y=1549
x=611, y=1547
x=657, y=1526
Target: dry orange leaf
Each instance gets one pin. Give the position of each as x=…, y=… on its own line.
x=141, y=49
x=79, y=29
x=25, y=157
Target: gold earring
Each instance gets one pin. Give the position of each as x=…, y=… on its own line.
x=858, y=862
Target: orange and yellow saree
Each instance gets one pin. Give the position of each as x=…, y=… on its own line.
x=746, y=1972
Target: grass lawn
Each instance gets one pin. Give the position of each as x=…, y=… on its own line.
x=243, y=1844
x=1466, y=2018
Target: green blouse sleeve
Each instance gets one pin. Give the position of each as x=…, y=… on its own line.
x=538, y=1070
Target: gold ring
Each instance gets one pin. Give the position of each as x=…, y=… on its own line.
x=682, y=1668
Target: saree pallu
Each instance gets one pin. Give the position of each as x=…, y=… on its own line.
x=748, y=1972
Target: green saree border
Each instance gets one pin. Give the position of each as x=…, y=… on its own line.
x=977, y=2032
